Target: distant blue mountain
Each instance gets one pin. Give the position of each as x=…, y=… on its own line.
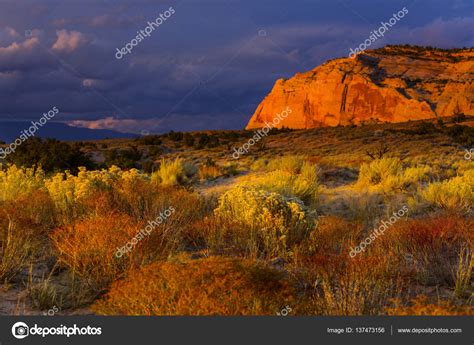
x=9, y=131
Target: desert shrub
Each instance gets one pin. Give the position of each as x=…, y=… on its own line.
x=259, y=164
x=149, y=140
x=303, y=185
x=125, y=158
x=213, y=286
x=423, y=128
x=206, y=140
x=51, y=154
x=44, y=294
x=149, y=166
x=377, y=171
x=134, y=194
x=15, y=182
x=208, y=172
x=266, y=222
x=337, y=285
x=463, y=166
x=421, y=306
x=188, y=139
x=154, y=151
x=332, y=236
x=88, y=248
x=36, y=210
x=230, y=169
x=462, y=134
x=290, y=164
x=68, y=191
x=364, y=207
x=175, y=136
x=146, y=204
x=463, y=286
x=428, y=247
x=17, y=247
x=455, y=194
x=171, y=173
x=387, y=175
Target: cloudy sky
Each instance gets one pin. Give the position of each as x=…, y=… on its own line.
x=207, y=66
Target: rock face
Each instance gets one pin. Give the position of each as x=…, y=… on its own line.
x=391, y=84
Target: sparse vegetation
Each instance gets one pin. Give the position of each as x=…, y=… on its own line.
x=247, y=236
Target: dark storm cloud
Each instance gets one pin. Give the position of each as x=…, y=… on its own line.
x=207, y=66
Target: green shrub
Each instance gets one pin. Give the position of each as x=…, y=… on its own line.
x=125, y=159
x=150, y=140
x=51, y=154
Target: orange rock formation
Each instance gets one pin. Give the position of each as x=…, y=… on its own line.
x=391, y=84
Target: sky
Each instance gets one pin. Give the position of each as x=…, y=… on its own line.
x=205, y=64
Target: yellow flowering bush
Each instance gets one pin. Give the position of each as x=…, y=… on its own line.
x=304, y=185
x=455, y=194
x=388, y=175
x=172, y=173
x=68, y=191
x=292, y=164
x=15, y=182
x=271, y=222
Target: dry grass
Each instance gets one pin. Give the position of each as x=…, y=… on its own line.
x=421, y=306
x=266, y=241
x=337, y=285
x=213, y=286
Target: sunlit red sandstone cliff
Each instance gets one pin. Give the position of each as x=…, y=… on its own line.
x=391, y=84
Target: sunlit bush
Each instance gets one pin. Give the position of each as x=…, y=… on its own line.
x=304, y=185
x=455, y=194
x=213, y=286
x=69, y=191
x=173, y=173
x=15, y=182
x=88, y=248
x=388, y=175
x=270, y=222
x=291, y=164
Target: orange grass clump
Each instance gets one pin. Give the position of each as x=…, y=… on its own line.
x=420, y=306
x=339, y=285
x=212, y=286
x=88, y=248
